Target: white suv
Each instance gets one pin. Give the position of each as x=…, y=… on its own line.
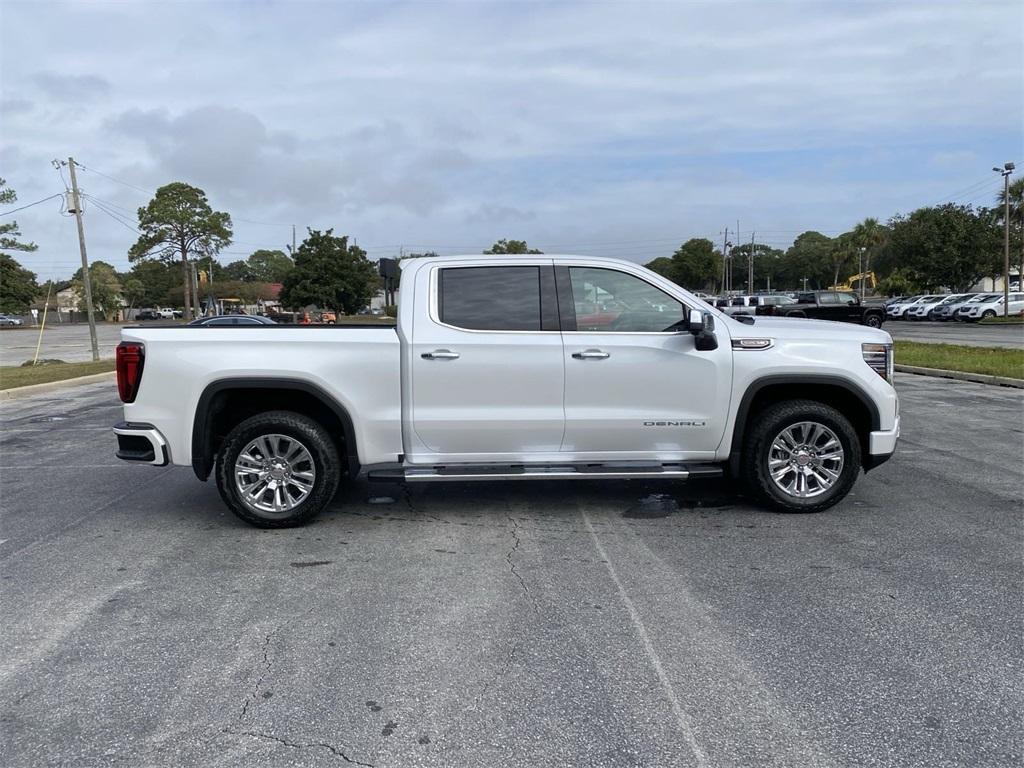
x=897, y=310
x=991, y=306
x=925, y=309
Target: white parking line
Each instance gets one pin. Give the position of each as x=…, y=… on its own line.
x=677, y=708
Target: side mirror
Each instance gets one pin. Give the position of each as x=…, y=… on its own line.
x=702, y=326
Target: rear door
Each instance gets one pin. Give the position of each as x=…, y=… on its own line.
x=487, y=371
x=637, y=388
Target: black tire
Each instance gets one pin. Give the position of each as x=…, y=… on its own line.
x=310, y=435
x=768, y=424
x=873, y=321
x=988, y=313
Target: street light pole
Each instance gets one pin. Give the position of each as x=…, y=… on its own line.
x=1005, y=172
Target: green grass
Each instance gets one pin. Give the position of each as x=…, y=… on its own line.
x=11, y=376
x=992, y=361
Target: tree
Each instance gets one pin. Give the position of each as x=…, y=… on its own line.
x=948, y=246
x=132, y=291
x=157, y=279
x=269, y=266
x=694, y=264
x=106, y=287
x=178, y=223
x=511, y=247
x=17, y=286
x=9, y=232
x=809, y=258
x=330, y=274
x=235, y=270
x=767, y=264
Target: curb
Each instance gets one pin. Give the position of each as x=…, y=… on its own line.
x=55, y=386
x=977, y=378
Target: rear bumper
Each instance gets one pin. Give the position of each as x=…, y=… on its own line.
x=881, y=446
x=141, y=443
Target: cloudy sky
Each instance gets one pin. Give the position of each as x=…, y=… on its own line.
x=613, y=128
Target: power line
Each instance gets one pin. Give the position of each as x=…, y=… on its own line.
x=37, y=202
x=125, y=183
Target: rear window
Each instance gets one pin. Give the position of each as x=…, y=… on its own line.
x=490, y=298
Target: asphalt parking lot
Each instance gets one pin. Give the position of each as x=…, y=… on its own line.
x=970, y=334
x=67, y=342
x=521, y=624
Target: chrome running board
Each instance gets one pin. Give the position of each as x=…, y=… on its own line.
x=608, y=471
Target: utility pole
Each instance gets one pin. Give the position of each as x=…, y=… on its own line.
x=1005, y=171
x=86, y=280
x=293, y=241
x=725, y=257
x=750, y=265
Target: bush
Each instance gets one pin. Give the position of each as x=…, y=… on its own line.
x=391, y=310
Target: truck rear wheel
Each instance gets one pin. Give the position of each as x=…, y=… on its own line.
x=277, y=469
x=873, y=321
x=801, y=456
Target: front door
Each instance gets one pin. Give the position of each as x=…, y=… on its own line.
x=635, y=384
x=487, y=371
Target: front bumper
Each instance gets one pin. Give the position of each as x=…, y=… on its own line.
x=881, y=446
x=141, y=443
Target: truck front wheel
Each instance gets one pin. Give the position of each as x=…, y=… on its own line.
x=801, y=456
x=277, y=469
x=873, y=321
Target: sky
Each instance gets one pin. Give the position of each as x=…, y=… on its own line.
x=615, y=129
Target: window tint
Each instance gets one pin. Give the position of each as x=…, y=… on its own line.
x=607, y=300
x=491, y=298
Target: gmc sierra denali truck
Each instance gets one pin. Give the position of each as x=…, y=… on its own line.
x=513, y=368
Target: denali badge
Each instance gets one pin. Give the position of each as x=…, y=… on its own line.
x=675, y=423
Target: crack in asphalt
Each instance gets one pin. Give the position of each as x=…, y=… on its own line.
x=407, y=497
x=259, y=681
x=511, y=563
x=337, y=752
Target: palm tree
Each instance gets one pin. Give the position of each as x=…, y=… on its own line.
x=1016, y=219
x=870, y=235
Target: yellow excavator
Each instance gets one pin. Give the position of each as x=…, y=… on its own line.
x=852, y=282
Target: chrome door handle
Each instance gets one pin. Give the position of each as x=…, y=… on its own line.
x=590, y=354
x=440, y=354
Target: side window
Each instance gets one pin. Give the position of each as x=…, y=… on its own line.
x=608, y=300
x=490, y=298
x=827, y=297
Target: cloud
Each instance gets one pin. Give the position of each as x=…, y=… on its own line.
x=72, y=88
x=569, y=124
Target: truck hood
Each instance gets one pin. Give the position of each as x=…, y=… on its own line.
x=796, y=328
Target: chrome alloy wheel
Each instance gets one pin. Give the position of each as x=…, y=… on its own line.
x=805, y=460
x=274, y=474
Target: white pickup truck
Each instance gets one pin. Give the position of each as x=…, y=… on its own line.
x=553, y=367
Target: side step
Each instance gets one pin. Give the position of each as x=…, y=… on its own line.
x=616, y=470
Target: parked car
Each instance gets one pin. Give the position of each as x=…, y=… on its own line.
x=897, y=310
x=830, y=305
x=751, y=305
x=947, y=309
x=233, y=320
x=922, y=309
x=991, y=307
x=8, y=320
x=490, y=374
x=147, y=314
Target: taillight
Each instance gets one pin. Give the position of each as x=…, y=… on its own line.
x=130, y=357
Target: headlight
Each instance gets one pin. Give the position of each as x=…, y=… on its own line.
x=880, y=358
